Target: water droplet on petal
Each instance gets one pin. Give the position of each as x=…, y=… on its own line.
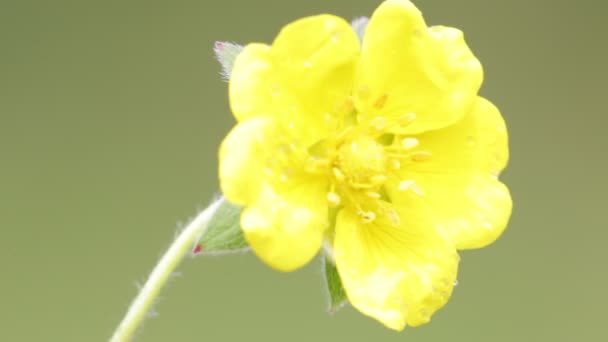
x=471, y=141
x=275, y=90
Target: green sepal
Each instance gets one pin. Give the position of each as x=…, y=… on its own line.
x=223, y=234
x=333, y=284
x=226, y=53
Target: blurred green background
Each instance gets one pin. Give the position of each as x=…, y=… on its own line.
x=111, y=113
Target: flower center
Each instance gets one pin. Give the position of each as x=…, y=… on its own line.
x=361, y=161
x=359, y=158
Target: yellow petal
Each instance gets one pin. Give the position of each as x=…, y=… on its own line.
x=492, y=137
x=251, y=79
x=409, y=68
x=302, y=79
x=285, y=229
x=485, y=210
x=397, y=275
x=476, y=144
x=458, y=183
x=245, y=148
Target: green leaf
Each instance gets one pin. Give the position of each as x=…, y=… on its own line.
x=223, y=234
x=226, y=53
x=336, y=294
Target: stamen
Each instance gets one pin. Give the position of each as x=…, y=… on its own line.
x=410, y=184
x=378, y=123
x=409, y=143
x=333, y=199
x=395, y=164
x=347, y=106
x=364, y=92
x=417, y=190
x=378, y=179
x=381, y=101
x=406, y=184
x=372, y=194
x=316, y=165
x=419, y=156
x=367, y=216
x=338, y=174
x=406, y=119
x=393, y=216
x=361, y=186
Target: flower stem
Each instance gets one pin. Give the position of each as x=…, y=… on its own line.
x=161, y=273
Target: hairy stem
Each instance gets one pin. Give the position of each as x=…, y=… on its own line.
x=161, y=273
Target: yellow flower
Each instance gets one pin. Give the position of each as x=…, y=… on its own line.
x=381, y=151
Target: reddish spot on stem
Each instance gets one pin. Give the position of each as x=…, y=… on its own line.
x=197, y=249
x=219, y=46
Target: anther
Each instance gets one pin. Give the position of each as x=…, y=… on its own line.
x=333, y=199
x=406, y=184
x=417, y=190
x=367, y=216
x=395, y=164
x=393, y=216
x=409, y=143
x=381, y=101
x=346, y=106
x=372, y=194
x=420, y=156
x=364, y=92
x=378, y=123
x=406, y=119
x=410, y=184
x=378, y=179
x=317, y=165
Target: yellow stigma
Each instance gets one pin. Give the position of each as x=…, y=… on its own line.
x=362, y=161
